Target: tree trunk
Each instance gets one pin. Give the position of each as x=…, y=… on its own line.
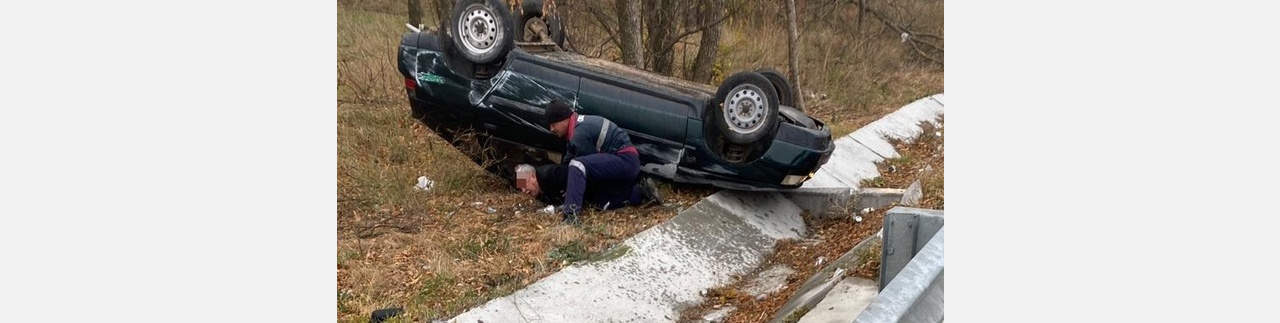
x=662, y=26
x=442, y=8
x=415, y=13
x=792, y=39
x=862, y=10
x=629, y=32
x=708, y=47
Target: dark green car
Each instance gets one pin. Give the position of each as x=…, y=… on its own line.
x=473, y=83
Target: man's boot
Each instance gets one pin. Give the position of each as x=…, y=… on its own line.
x=649, y=191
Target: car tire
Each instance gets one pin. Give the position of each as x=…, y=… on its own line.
x=451, y=55
x=746, y=108
x=482, y=30
x=527, y=10
x=782, y=85
x=530, y=9
x=522, y=29
x=555, y=27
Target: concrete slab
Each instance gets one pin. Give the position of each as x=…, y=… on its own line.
x=821, y=201
x=895, y=126
x=926, y=108
x=844, y=302
x=772, y=213
x=821, y=180
x=839, y=201
x=904, y=123
x=849, y=165
x=824, y=178
x=856, y=154
x=664, y=270
x=878, y=198
x=938, y=97
x=875, y=142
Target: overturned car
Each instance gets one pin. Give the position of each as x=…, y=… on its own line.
x=482, y=78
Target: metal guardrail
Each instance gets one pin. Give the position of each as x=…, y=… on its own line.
x=911, y=290
x=906, y=231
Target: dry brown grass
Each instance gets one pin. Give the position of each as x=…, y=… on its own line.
x=437, y=253
x=367, y=43
x=921, y=160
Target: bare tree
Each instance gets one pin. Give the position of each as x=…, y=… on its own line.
x=415, y=12
x=862, y=10
x=659, y=25
x=662, y=25
x=442, y=8
x=792, y=39
x=629, y=32
x=710, y=12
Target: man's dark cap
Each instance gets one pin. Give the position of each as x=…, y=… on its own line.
x=558, y=110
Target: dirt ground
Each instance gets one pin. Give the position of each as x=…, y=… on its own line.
x=830, y=238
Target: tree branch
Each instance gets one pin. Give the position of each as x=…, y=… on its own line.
x=701, y=28
x=600, y=17
x=914, y=41
x=600, y=48
x=927, y=35
x=922, y=54
x=822, y=18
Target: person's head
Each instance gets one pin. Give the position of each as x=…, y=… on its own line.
x=558, y=114
x=527, y=180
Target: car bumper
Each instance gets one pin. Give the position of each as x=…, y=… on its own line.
x=800, y=152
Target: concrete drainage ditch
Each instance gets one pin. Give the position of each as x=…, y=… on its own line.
x=910, y=285
x=655, y=274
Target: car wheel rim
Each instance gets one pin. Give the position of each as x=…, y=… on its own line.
x=479, y=30
x=745, y=108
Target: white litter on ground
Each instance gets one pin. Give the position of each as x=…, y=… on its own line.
x=424, y=184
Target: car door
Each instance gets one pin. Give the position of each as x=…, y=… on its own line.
x=655, y=123
x=519, y=97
